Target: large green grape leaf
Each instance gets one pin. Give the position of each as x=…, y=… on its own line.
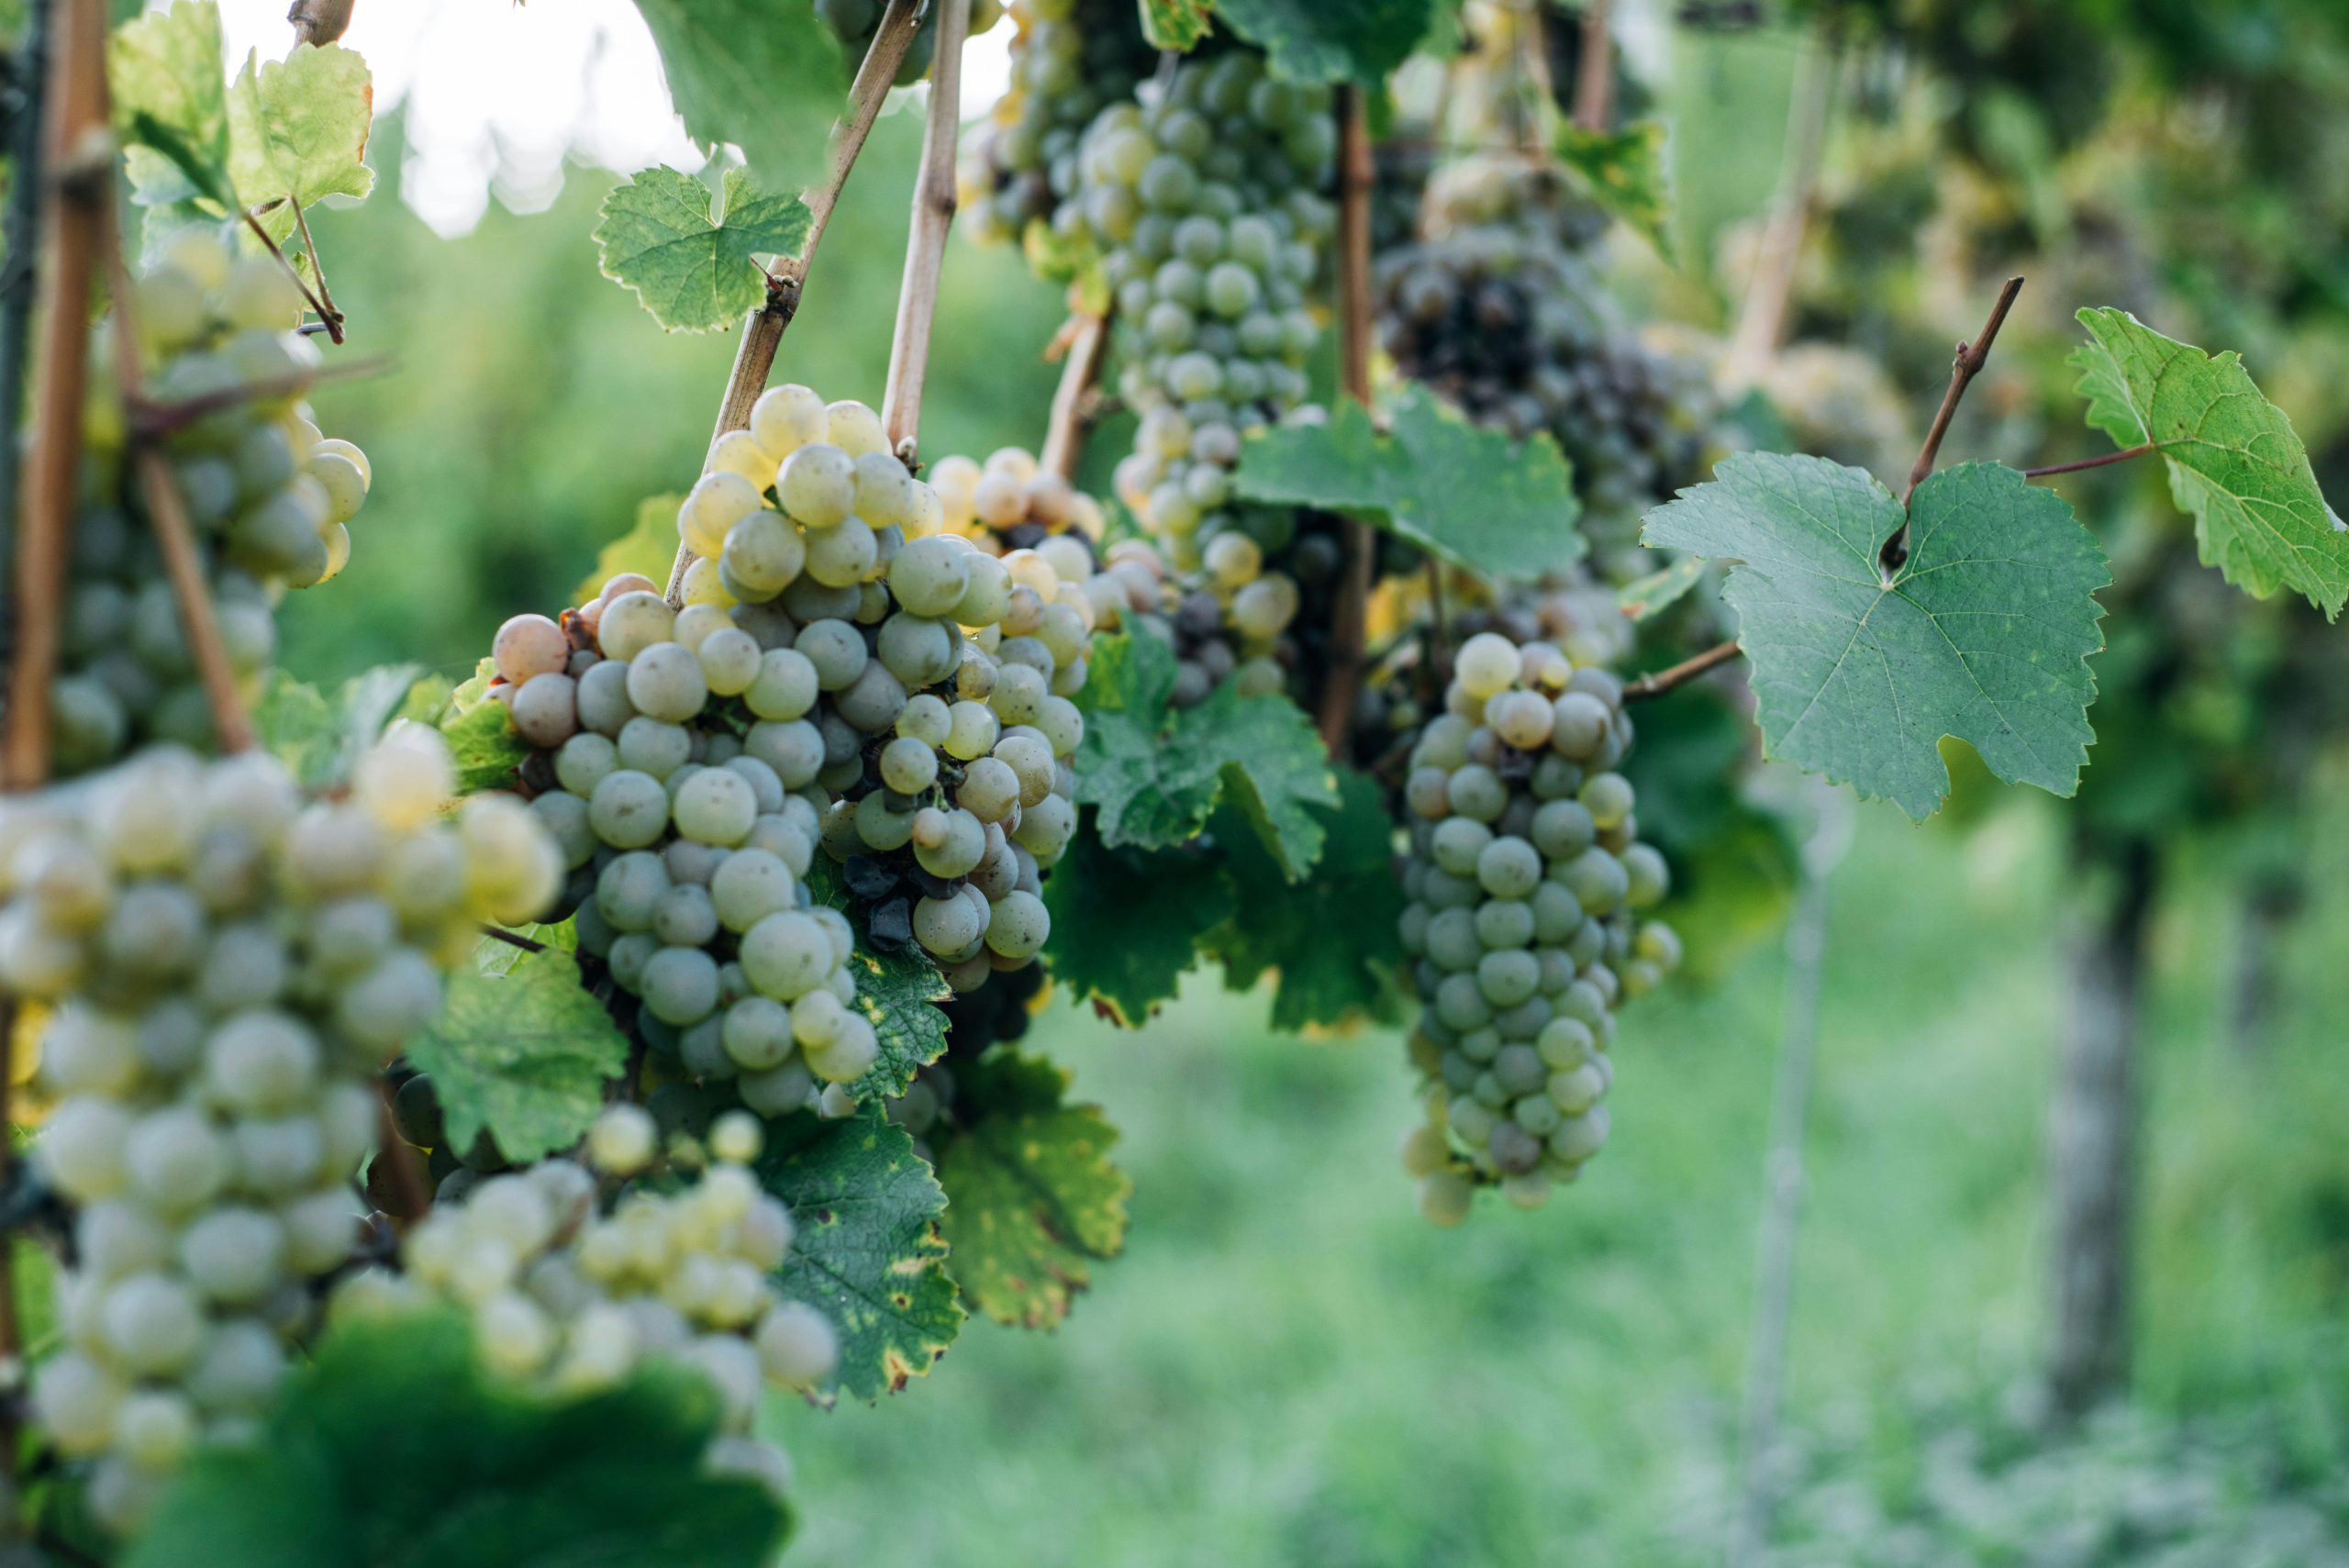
x=1334, y=941
x=1471, y=496
x=1033, y=1198
x=1332, y=41
x=523, y=1056
x=1156, y=773
x=689, y=263
x=866, y=1249
x=170, y=104
x=767, y=77
x=1127, y=923
x=1984, y=633
x=1623, y=170
x=393, y=1449
x=297, y=131
x=1175, y=23
x=2234, y=460
x=649, y=548
x=321, y=738
x=895, y=991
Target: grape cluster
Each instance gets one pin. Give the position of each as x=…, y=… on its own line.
x=570, y=1294
x=1205, y=198
x=854, y=23
x=230, y=965
x=1501, y=311
x=846, y=677
x=1525, y=925
x=1070, y=60
x=267, y=496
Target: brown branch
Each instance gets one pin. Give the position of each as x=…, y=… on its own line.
x=1762, y=320
x=1074, y=405
x=1662, y=681
x=174, y=534
x=73, y=212
x=933, y=215
x=1971, y=357
x=1595, y=71
x=1346, y=630
x=763, y=329
x=407, y=1176
x=319, y=307
x=319, y=22
x=2086, y=462
x=512, y=938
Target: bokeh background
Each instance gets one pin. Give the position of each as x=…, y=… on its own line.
x=1288, y=1366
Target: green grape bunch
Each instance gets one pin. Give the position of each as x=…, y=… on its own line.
x=1527, y=925
x=267, y=496
x=580, y=1270
x=1070, y=60
x=228, y=963
x=847, y=678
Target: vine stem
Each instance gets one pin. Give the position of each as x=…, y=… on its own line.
x=763, y=329
x=1662, y=681
x=1762, y=320
x=1073, y=399
x=1346, y=630
x=512, y=938
x=1595, y=71
x=1971, y=357
x=167, y=510
x=28, y=86
x=333, y=318
x=933, y=215
x=2086, y=462
x=1782, y=1178
x=319, y=22
x=75, y=201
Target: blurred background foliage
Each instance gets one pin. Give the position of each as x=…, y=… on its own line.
x=1288, y=1366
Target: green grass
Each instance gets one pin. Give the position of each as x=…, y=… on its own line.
x=1288, y=1366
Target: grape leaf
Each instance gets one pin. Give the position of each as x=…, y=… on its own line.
x=1033, y=1198
x=649, y=548
x=2234, y=460
x=1984, y=633
x=767, y=78
x=480, y=735
x=297, y=131
x=1659, y=591
x=1471, y=496
x=1157, y=772
x=523, y=1056
x=1127, y=923
x=895, y=991
x=1175, y=23
x=321, y=738
x=688, y=263
x=866, y=1249
x=170, y=104
x=1623, y=172
x=393, y=1449
x=1332, y=41
x=1334, y=941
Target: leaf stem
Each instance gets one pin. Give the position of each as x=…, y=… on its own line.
x=167, y=511
x=1662, y=681
x=2086, y=462
x=153, y=421
x=933, y=215
x=1074, y=406
x=1595, y=71
x=1971, y=357
x=512, y=938
x=1347, y=623
x=318, y=267
x=310, y=297
x=763, y=329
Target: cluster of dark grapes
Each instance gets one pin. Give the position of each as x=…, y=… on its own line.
x=1500, y=310
x=854, y=23
x=1526, y=924
x=1072, y=60
x=267, y=496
